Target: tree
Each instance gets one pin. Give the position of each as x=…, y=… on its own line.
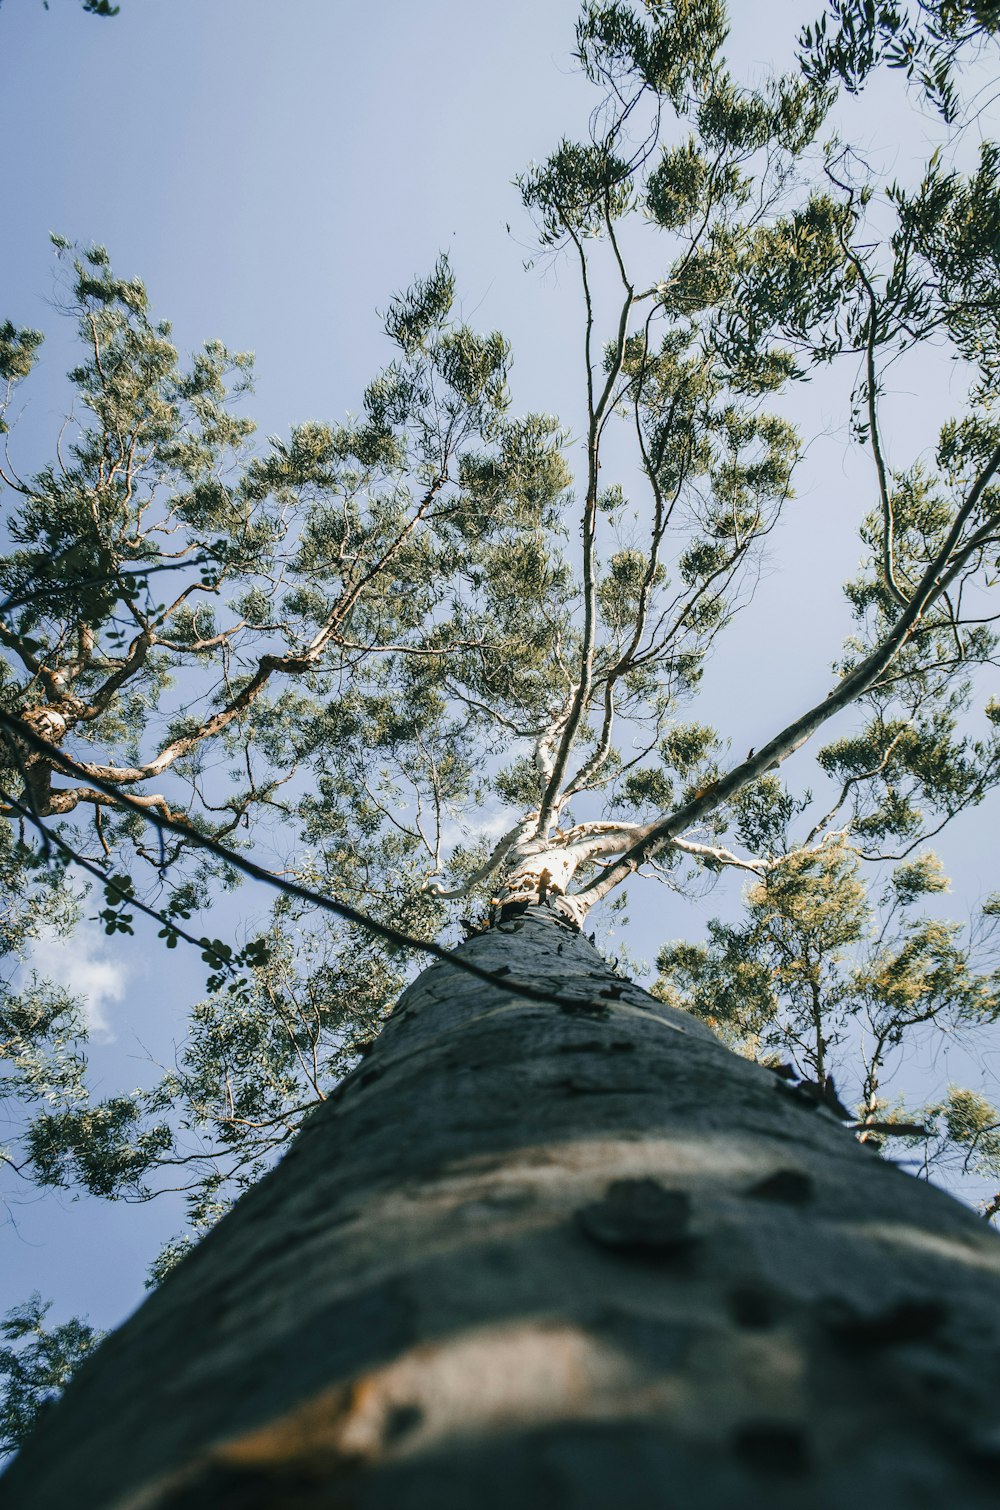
x=407, y=585
x=37, y=1367
x=789, y=990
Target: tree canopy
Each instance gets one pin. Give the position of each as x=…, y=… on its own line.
x=338, y=655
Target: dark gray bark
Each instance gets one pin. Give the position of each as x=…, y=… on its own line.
x=570, y=1256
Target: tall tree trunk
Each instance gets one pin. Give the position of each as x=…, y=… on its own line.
x=566, y=1256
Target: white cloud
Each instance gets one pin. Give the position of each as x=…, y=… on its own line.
x=80, y=966
x=490, y=822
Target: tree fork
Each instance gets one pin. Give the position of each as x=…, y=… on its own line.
x=558, y=1257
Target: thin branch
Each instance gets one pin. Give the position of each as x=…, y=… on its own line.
x=940, y=572
x=395, y=936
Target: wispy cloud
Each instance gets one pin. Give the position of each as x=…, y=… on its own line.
x=80, y=965
x=489, y=823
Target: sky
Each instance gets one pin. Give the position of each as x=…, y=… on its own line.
x=274, y=172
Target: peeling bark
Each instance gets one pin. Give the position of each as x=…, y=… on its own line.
x=542, y=1256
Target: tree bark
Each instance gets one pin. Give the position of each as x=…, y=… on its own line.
x=570, y=1256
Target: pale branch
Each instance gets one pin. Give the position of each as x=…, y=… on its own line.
x=587, y=841
x=198, y=647
x=581, y=699
x=135, y=659
x=64, y=800
x=626, y=659
x=602, y=749
x=547, y=741
x=715, y=854
x=521, y=829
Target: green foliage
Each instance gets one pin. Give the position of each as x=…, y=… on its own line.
x=578, y=191
x=807, y=981
x=621, y=587
x=415, y=526
x=672, y=49
x=675, y=190
x=100, y=1147
x=925, y=41
x=919, y=877
x=17, y=351
x=169, y=1256
x=972, y=1122
x=949, y=236
x=423, y=309
x=35, y=1365
x=762, y=817
x=793, y=276
x=687, y=747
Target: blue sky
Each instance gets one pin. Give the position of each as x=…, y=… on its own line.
x=274, y=172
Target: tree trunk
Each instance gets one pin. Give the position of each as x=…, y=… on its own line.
x=569, y=1256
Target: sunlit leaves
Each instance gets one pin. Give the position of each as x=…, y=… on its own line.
x=922, y=876
x=805, y=980
x=815, y=896
x=972, y=1122
x=924, y=973
x=618, y=593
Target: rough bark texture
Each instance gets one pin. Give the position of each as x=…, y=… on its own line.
x=560, y=1257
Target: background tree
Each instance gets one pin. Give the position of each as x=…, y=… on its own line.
x=807, y=987
x=419, y=554
x=37, y=1366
